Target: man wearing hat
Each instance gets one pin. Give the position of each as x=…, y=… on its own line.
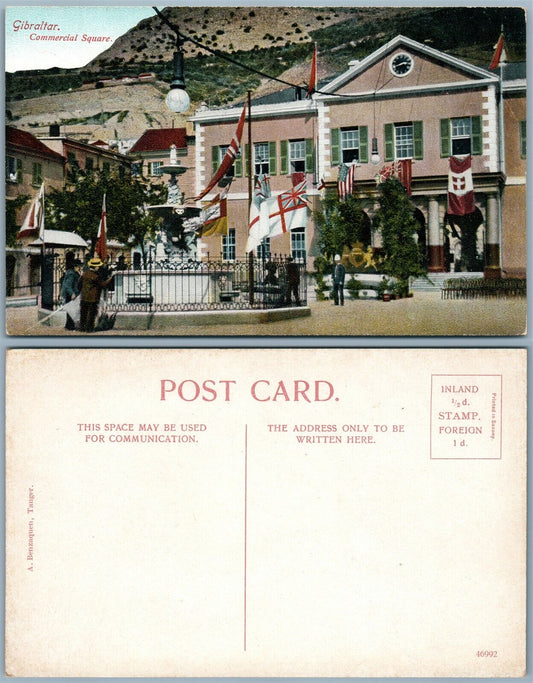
x=339, y=273
x=91, y=286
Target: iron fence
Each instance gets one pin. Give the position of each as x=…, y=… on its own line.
x=189, y=285
x=477, y=288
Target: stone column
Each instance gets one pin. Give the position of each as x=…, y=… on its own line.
x=435, y=248
x=492, y=243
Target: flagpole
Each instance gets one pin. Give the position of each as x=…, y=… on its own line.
x=250, y=191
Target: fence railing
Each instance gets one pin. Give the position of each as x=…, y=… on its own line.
x=476, y=288
x=211, y=284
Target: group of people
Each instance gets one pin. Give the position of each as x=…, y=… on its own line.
x=292, y=273
x=88, y=286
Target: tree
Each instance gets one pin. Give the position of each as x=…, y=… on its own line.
x=78, y=207
x=395, y=221
x=341, y=224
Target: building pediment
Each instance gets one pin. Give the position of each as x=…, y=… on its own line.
x=404, y=66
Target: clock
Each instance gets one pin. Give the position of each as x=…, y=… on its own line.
x=401, y=64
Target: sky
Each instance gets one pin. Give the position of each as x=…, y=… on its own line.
x=24, y=49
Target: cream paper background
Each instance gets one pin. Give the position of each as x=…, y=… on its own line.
x=247, y=553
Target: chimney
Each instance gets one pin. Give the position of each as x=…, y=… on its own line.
x=54, y=130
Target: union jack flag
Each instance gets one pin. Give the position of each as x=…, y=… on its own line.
x=288, y=210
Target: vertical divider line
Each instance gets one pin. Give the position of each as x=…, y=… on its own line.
x=245, y=522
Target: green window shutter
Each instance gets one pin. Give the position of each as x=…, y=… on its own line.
x=363, y=144
x=284, y=157
x=237, y=166
x=418, y=140
x=19, y=171
x=523, y=139
x=309, y=156
x=445, y=138
x=272, y=158
x=335, y=147
x=214, y=160
x=247, y=160
x=389, y=142
x=477, y=136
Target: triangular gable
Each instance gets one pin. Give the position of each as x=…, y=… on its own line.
x=431, y=69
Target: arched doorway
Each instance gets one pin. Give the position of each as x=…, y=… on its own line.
x=464, y=243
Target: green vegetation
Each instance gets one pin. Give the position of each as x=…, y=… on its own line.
x=394, y=220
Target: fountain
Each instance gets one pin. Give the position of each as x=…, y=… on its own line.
x=176, y=238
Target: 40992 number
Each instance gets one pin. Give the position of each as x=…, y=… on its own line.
x=487, y=653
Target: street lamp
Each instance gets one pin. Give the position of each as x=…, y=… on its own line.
x=178, y=99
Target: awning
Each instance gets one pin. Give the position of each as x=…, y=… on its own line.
x=60, y=238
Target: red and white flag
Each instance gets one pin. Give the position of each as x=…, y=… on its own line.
x=100, y=248
x=404, y=169
x=231, y=154
x=287, y=211
x=33, y=225
x=499, y=53
x=460, y=187
x=345, y=181
x=312, y=78
x=258, y=222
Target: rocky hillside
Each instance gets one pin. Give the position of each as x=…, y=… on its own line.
x=274, y=40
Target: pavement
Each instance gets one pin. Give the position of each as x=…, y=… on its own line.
x=425, y=314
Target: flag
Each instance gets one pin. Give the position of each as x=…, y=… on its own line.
x=499, y=53
x=321, y=184
x=460, y=187
x=385, y=172
x=312, y=78
x=404, y=168
x=345, y=181
x=258, y=223
x=215, y=216
x=33, y=225
x=230, y=156
x=287, y=211
x=100, y=248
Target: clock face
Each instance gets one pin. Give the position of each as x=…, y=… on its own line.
x=401, y=64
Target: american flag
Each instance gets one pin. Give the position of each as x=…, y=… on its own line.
x=346, y=181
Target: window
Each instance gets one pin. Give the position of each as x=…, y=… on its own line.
x=136, y=168
x=37, y=174
x=154, y=168
x=228, y=245
x=261, y=158
x=89, y=164
x=297, y=156
x=298, y=244
x=404, y=140
x=217, y=155
x=106, y=167
x=460, y=136
x=349, y=145
x=523, y=139
x=11, y=169
x=263, y=249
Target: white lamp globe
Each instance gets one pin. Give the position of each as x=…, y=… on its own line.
x=178, y=100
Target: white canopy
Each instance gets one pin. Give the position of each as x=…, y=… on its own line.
x=60, y=238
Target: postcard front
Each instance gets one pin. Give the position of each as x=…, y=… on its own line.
x=266, y=512
x=254, y=171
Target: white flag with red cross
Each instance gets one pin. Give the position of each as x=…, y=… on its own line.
x=460, y=187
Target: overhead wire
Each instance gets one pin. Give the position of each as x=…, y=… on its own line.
x=222, y=55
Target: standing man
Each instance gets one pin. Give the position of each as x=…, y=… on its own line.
x=339, y=273
x=293, y=281
x=91, y=286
